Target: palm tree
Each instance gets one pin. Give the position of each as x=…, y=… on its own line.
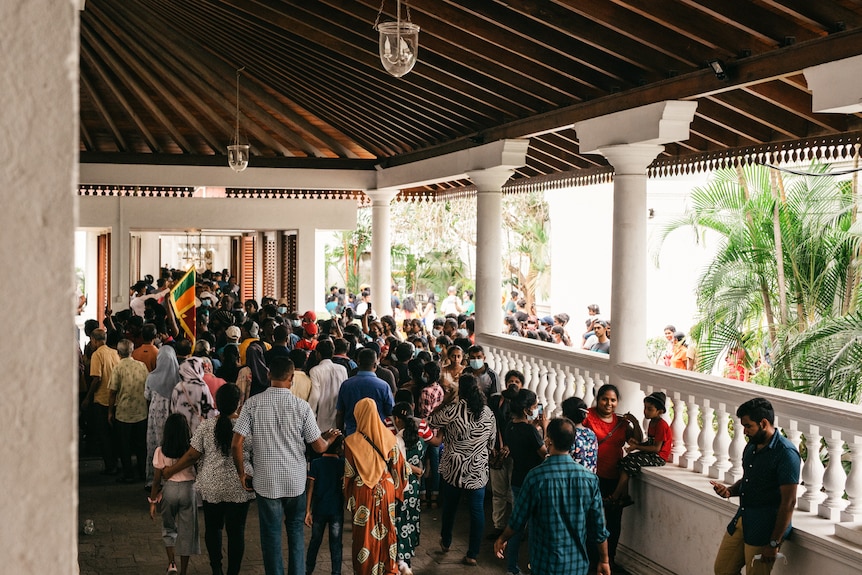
x=527, y=260
x=786, y=254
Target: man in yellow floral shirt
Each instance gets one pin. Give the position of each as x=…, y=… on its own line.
x=127, y=411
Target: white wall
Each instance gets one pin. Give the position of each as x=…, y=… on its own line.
x=308, y=217
x=39, y=146
x=581, y=246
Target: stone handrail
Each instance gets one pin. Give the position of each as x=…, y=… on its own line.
x=835, y=428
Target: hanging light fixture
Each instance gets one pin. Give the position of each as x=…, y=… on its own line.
x=399, y=41
x=237, y=154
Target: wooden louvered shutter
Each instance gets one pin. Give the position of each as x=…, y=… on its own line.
x=103, y=263
x=269, y=265
x=247, y=271
x=288, y=269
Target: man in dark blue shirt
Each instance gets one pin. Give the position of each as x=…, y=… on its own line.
x=767, y=494
x=364, y=384
x=563, y=505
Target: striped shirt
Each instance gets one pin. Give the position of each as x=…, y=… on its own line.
x=562, y=503
x=280, y=425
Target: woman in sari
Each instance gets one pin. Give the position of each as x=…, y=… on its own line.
x=374, y=479
x=160, y=385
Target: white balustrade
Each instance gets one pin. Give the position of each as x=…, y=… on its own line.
x=677, y=427
x=707, y=436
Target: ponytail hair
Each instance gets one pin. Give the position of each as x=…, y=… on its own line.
x=227, y=400
x=404, y=412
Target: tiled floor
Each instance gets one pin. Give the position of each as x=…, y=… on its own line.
x=127, y=542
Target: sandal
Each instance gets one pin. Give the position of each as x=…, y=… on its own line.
x=443, y=548
x=469, y=561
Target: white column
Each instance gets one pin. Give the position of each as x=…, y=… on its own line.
x=381, y=253
x=39, y=145
x=309, y=283
x=121, y=277
x=489, y=241
x=629, y=258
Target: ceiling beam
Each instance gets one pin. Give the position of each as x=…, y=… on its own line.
x=749, y=71
x=104, y=113
x=793, y=99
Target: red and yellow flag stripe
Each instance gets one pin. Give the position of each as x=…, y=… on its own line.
x=183, y=302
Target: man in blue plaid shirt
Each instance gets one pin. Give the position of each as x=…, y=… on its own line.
x=562, y=502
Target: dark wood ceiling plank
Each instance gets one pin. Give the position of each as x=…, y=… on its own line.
x=698, y=26
x=546, y=145
x=691, y=52
x=117, y=46
x=717, y=134
x=256, y=64
x=782, y=121
x=757, y=69
x=86, y=140
x=766, y=25
x=558, y=162
x=206, y=79
x=734, y=121
x=106, y=53
x=368, y=89
x=104, y=77
x=454, y=74
x=796, y=100
x=538, y=93
x=520, y=52
x=817, y=12
x=619, y=56
x=107, y=118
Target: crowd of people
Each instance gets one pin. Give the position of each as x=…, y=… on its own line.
x=308, y=417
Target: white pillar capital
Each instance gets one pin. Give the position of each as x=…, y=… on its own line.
x=382, y=196
x=631, y=159
x=835, y=86
x=491, y=179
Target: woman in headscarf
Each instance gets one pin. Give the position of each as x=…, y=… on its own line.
x=253, y=377
x=374, y=478
x=191, y=396
x=160, y=385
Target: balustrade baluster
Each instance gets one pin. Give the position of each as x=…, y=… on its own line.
x=833, y=479
x=795, y=437
x=721, y=444
x=853, y=487
x=561, y=386
x=692, y=431
x=812, y=472
x=590, y=388
x=677, y=428
x=737, y=446
x=541, y=388
x=505, y=362
x=531, y=376
x=707, y=436
x=571, y=384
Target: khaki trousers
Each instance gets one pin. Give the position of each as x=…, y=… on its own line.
x=734, y=554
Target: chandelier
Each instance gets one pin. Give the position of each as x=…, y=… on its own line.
x=399, y=41
x=237, y=153
x=194, y=252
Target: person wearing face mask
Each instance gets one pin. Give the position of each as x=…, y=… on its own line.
x=485, y=376
x=524, y=439
x=501, y=463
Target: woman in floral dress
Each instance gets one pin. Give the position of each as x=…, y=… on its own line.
x=374, y=479
x=409, y=509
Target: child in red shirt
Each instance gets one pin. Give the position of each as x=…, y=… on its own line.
x=654, y=452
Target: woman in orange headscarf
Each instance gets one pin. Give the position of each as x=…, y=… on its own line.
x=374, y=478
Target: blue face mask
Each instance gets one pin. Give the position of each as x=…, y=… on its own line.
x=282, y=309
x=206, y=303
x=476, y=363
x=438, y=349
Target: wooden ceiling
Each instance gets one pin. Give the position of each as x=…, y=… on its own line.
x=158, y=77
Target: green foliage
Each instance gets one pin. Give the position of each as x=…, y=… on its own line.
x=784, y=276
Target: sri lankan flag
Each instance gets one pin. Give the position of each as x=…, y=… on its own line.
x=183, y=301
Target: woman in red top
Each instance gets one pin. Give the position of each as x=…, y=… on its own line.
x=613, y=432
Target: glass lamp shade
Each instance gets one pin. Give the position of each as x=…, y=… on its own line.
x=399, y=46
x=237, y=157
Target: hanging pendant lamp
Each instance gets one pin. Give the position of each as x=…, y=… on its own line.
x=399, y=41
x=237, y=153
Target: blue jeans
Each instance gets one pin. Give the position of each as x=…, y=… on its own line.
x=432, y=482
x=514, y=542
x=271, y=512
x=451, y=496
x=317, y=528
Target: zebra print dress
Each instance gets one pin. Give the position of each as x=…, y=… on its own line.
x=466, y=444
